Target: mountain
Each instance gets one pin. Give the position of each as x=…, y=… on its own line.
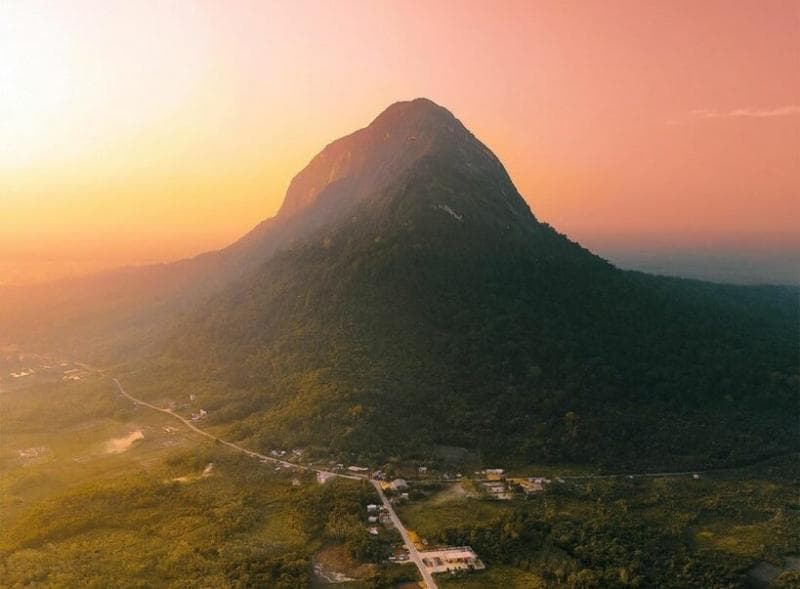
x=364, y=164
x=111, y=313
x=405, y=299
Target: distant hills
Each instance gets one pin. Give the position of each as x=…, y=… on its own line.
x=406, y=298
x=771, y=266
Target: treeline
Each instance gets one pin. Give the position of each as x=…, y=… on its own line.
x=385, y=339
x=242, y=527
x=669, y=533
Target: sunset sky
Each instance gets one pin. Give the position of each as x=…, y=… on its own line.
x=140, y=131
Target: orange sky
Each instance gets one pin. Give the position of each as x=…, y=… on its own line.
x=142, y=131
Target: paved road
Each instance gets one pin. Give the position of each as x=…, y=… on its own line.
x=634, y=475
x=413, y=553
x=237, y=447
x=190, y=425
x=412, y=550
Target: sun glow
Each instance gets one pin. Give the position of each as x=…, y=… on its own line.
x=73, y=87
x=177, y=126
x=36, y=82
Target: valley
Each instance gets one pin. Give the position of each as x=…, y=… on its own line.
x=170, y=508
x=710, y=526
x=403, y=379
x=399, y=295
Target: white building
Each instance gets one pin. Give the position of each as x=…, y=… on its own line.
x=451, y=559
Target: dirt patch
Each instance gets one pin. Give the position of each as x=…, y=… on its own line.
x=324, y=477
x=35, y=455
x=123, y=444
x=190, y=478
x=334, y=564
x=456, y=492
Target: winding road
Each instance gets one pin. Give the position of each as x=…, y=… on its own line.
x=412, y=549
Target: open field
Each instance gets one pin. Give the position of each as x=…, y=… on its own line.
x=97, y=492
x=502, y=577
x=94, y=486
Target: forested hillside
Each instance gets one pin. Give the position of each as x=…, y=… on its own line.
x=440, y=311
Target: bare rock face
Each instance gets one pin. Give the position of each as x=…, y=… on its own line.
x=366, y=162
x=403, y=141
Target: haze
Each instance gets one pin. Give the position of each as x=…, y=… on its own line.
x=141, y=132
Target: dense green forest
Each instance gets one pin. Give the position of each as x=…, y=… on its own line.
x=640, y=532
x=78, y=515
x=390, y=336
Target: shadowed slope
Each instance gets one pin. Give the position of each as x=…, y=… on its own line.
x=438, y=310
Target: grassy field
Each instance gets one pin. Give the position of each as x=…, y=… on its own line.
x=448, y=510
x=83, y=502
x=500, y=577
x=56, y=435
x=95, y=492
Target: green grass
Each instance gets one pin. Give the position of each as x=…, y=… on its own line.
x=428, y=517
x=74, y=421
x=123, y=520
x=123, y=516
x=500, y=577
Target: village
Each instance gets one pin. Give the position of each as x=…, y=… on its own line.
x=406, y=487
x=381, y=520
x=441, y=559
x=16, y=365
x=400, y=485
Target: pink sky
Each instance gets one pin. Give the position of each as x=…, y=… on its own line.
x=145, y=131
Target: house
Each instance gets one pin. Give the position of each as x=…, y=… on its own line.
x=373, y=519
x=398, y=485
x=497, y=490
x=451, y=559
x=494, y=474
x=400, y=554
x=422, y=469
x=200, y=415
x=373, y=530
x=372, y=508
x=494, y=486
x=359, y=469
x=530, y=486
